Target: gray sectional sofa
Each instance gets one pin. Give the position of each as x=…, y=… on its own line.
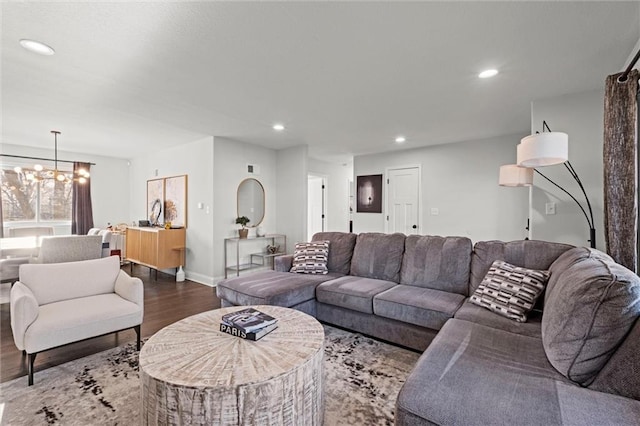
x=575, y=360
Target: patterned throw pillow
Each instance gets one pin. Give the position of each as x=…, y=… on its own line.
x=510, y=291
x=311, y=258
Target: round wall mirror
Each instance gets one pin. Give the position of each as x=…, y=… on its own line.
x=251, y=201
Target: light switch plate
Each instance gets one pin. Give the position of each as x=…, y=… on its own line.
x=550, y=208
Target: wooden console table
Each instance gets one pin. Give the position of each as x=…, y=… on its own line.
x=156, y=248
x=253, y=257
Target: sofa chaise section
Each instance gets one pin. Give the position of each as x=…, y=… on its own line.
x=575, y=366
x=473, y=374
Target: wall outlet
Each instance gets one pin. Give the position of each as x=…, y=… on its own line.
x=550, y=208
x=435, y=211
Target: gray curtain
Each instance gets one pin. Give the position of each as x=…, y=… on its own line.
x=621, y=169
x=81, y=210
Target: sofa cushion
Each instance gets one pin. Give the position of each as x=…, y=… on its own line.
x=53, y=282
x=421, y=306
x=530, y=254
x=492, y=371
x=77, y=319
x=378, y=256
x=441, y=263
x=621, y=374
x=341, y=246
x=510, y=291
x=591, y=307
x=311, y=258
x=352, y=292
x=270, y=288
x=476, y=375
x=474, y=313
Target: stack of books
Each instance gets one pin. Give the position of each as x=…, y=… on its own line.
x=249, y=323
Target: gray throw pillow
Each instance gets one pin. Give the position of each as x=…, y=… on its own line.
x=311, y=258
x=510, y=291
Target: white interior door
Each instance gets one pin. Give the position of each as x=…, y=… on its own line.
x=315, y=210
x=403, y=199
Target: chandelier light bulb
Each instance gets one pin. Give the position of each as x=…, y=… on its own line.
x=82, y=179
x=60, y=177
x=38, y=167
x=30, y=176
x=17, y=169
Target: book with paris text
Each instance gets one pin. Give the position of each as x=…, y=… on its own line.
x=248, y=320
x=252, y=335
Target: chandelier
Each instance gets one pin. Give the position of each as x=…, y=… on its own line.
x=39, y=173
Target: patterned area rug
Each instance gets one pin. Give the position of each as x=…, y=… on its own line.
x=362, y=380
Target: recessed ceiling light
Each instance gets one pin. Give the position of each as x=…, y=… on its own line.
x=279, y=127
x=488, y=73
x=401, y=139
x=37, y=47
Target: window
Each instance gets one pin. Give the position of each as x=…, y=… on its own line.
x=25, y=200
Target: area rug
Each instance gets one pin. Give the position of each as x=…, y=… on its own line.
x=362, y=380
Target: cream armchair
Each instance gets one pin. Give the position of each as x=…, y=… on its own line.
x=56, y=304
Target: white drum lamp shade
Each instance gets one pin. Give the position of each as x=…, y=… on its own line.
x=514, y=175
x=543, y=149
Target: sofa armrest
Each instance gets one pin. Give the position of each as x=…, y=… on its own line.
x=283, y=263
x=130, y=288
x=24, y=311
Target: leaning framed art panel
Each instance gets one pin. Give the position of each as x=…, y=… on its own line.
x=175, y=202
x=155, y=201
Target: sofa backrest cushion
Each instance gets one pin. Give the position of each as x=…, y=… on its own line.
x=53, y=282
x=70, y=248
x=378, y=256
x=341, y=246
x=441, y=263
x=529, y=254
x=589, y=310
x=621, y=374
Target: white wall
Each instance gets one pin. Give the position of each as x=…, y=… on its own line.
x=196, y=160
x=461, y=181
x=230, y=168
x=292, y=171
x=336, y=192
x=581, y=116
x=109, y=182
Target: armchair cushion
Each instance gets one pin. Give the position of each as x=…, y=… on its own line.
x=62, y=281
x=77, y=319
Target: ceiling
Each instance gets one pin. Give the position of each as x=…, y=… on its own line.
x=344, y=77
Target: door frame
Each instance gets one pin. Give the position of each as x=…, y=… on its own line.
x=385, y=213
x=325, y=198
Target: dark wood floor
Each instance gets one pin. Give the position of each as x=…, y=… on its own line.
x=165, y=302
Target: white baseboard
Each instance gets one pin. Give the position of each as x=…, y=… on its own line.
x=200, y=278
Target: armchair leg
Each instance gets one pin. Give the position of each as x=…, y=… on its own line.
x=137, y=329
x=32, y=358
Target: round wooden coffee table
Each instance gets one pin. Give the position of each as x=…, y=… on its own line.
x=191, y=373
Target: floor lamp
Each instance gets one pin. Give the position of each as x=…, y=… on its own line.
x=513, y=175
x=549, y=148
